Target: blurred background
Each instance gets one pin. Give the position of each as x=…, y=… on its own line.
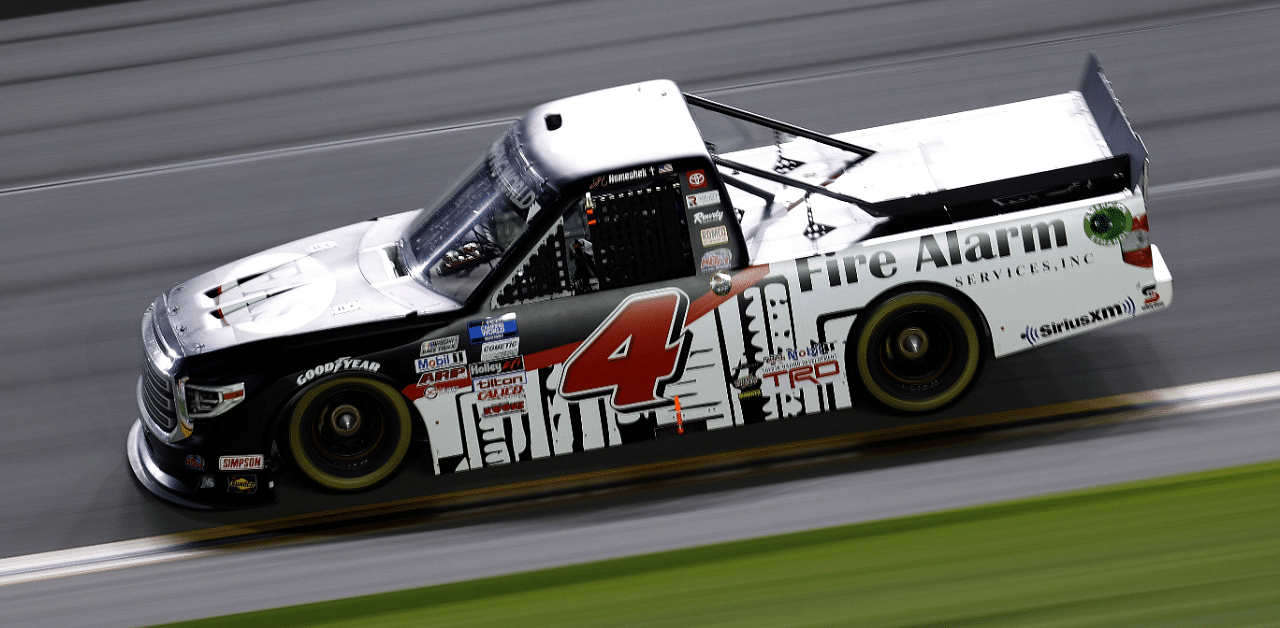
x=144, y=142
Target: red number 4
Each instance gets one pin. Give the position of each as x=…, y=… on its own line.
x=636, y=352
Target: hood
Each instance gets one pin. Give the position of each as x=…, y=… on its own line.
x=338, y=278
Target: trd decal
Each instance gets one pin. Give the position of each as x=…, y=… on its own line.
x=632, y=352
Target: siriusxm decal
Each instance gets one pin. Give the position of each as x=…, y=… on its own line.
x=1035, y=334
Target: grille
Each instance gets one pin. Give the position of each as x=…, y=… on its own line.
x=157, y=397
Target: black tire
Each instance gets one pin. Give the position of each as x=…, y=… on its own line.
x=349, y=433
x=916, y=352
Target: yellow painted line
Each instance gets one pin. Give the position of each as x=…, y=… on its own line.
x=169, y=547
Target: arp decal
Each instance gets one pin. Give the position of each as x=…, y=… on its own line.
x=631, y=355
x=1035, y=334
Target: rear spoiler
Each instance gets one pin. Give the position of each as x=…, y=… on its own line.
x=1114, y=125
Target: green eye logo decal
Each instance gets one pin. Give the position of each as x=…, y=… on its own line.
x=1107, y=223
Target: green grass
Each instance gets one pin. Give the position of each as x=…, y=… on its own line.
x=1196, y=550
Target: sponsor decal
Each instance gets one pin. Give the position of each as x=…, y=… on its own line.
x=1024, y=270
x=812, y=363
x=438, y=345
x=340, y=364
x=703, y=199
x=714, y=235
x=194, y=462
x=1116, y=310
x=981, y=245
x=316, y=247
x=434, y=362
x=241, y=463
x=500, y=386
x=491, y=329
x=242, y=483
x=500, y=350
x=948, y=249
x=444, y=380
x=1107, y=223
x=749, y=393
x=750, y=381
x=343, y=308
x=485, y=369
x=718, y=259
x=697, y=178
x=506, y=407
x=622, y=177
x=702, y=218
x=1151, y=298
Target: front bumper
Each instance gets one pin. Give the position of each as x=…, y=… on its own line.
x=160, y=467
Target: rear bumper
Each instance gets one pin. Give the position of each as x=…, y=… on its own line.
x=1163, y=292
x=161, y=468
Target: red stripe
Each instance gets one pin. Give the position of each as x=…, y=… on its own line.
x=699, y=308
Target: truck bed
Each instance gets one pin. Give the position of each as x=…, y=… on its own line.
x=938, y=170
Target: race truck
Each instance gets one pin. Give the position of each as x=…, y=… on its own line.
x=605, y=275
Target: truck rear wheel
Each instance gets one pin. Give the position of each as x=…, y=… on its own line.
x=916, y=352
x=349, y=433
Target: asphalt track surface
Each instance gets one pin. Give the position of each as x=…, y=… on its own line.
x=146, y=142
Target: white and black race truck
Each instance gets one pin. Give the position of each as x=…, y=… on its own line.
x=604, y=275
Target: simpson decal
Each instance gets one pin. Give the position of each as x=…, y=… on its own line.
x=241, y=463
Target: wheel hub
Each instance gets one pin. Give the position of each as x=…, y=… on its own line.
x=912, y=343
x=345, y=420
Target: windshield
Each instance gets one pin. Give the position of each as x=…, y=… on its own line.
x=453, y=245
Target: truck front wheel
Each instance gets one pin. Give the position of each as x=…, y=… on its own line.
x=916, y=352
x=349, y=433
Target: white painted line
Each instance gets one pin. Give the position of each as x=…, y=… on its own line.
x=266, y=154
x=1218, y=181
x=165, y=548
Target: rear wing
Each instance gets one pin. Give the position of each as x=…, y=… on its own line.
x=1112, y=122
x=1123, y=168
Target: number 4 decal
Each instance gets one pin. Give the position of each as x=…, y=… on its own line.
x=639, y=349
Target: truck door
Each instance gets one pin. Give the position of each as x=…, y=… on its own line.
x=614, y=312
